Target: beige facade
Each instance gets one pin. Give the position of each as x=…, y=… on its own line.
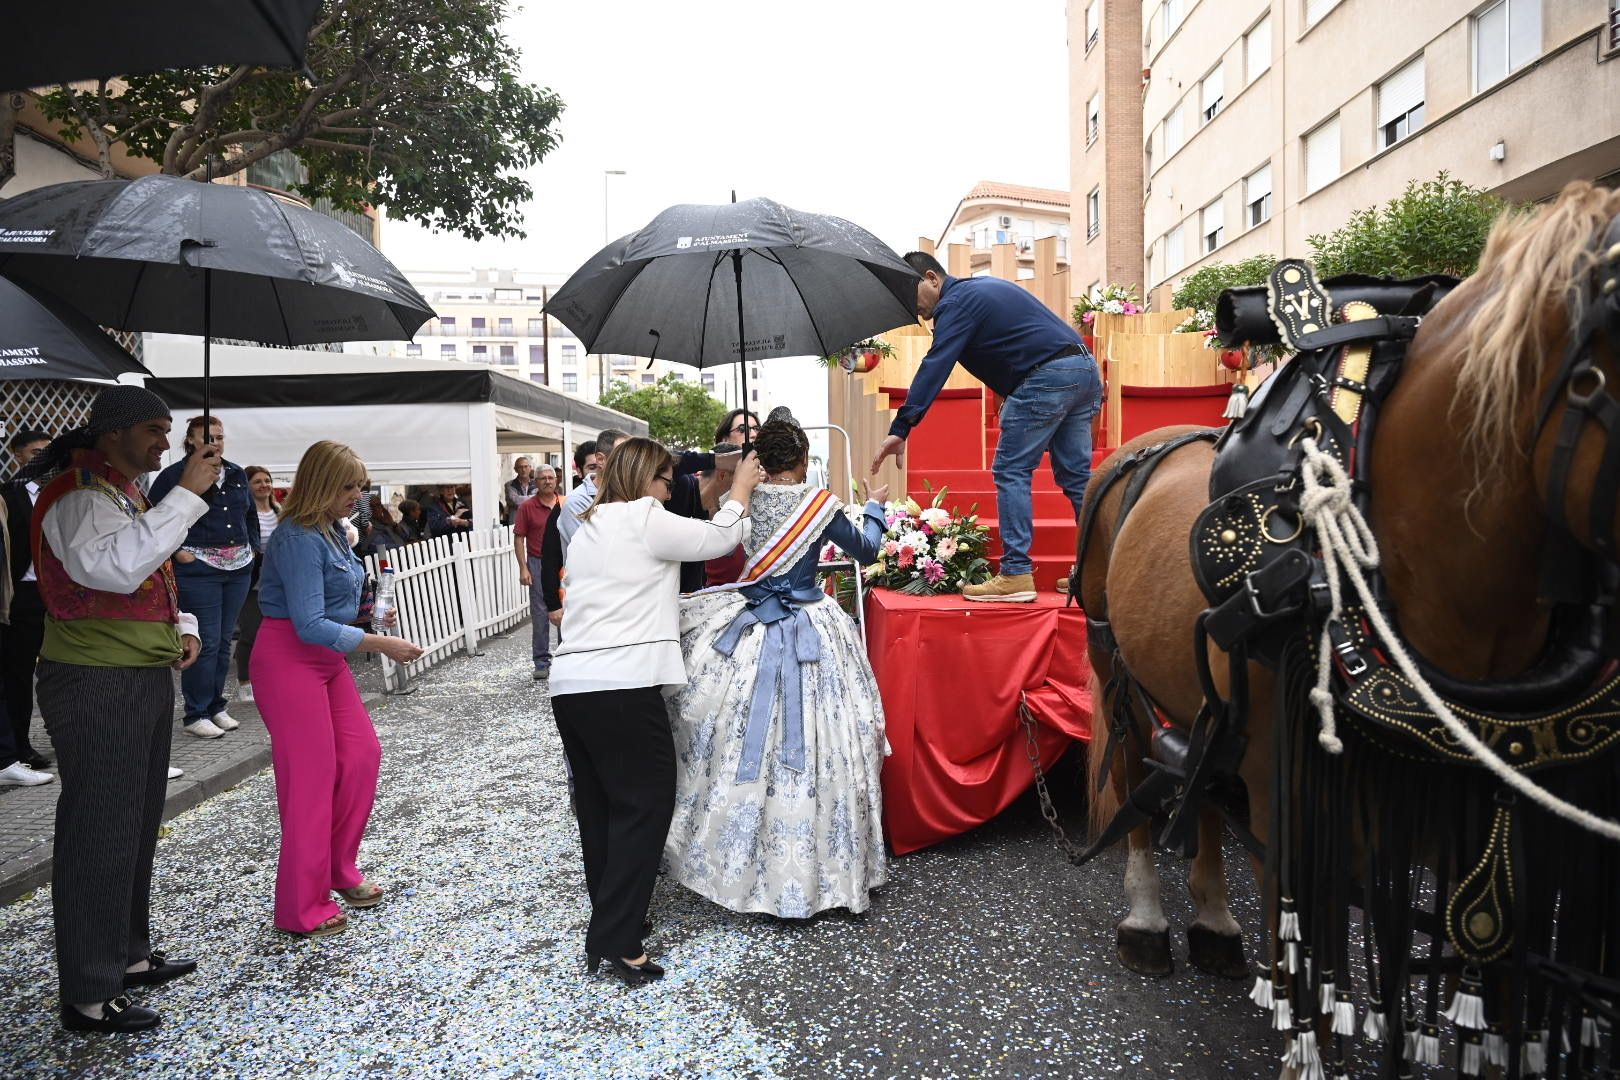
x=1262, y=122
x=994, y=214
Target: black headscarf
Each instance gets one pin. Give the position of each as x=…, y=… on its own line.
x=115, y=408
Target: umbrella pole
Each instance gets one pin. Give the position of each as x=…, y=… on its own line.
x=742, y=343
x=208, y=339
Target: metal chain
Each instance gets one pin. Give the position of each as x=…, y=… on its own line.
x=1070, y=849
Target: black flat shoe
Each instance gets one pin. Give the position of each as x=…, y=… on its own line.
x=122, y=1016
x=632, y=974
x=35, y=761
x=162, y=970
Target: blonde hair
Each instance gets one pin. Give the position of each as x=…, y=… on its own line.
x=323, y=472
x=1533, y=269
x=629, y=469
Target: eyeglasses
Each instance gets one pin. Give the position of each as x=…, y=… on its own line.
x=667, y=481
x=748, y=428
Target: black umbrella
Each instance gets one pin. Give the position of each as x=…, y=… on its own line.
x=168, y=255
x=708, y=285
x=97, y=39
x=43, y=338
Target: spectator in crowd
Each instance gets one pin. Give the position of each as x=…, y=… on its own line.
x=519, y=488
x=580, y=499
x=15, y=768
x=412, y=521
x=385, y=529
x=585, y=466
x=620, y=647
x=361, y=519
x=214, y=569
x=19, y=648
x=322, y=744
x=268, y=513
x=739, y=427
x=447, y=514
x=113, y=632
x=533, y=516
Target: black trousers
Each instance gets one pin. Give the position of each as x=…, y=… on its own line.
x=247, y=625
x=623, y=756
x=19, y=652
x=111, y=730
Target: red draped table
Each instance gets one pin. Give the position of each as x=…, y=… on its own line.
x=951, y=673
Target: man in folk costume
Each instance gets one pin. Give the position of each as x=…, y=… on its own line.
x=113, y=632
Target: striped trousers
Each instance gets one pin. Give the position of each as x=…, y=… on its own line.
x=110, y=727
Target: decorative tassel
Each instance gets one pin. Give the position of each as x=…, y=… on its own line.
x=1533, y=1055
x=1327, y=993
x=1467, y=1008
x=1237, y=403
x=1496, y=1049
x=1288, y=924
x=1589, y=1030
x=1310, y=1061
x=1282, y=1015
x=1428, y=1046
x=1307, y=962
x=1375, y=1027
x=1473, y=1058
x=1344, y=1015
x=1291, y=950
x=1409, y=1047
x=1261, y=995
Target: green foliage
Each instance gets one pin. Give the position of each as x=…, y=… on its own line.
x=1434, y=227
x=417, y=104
x=1201, y=289
x=678, y=412
x=882, y=347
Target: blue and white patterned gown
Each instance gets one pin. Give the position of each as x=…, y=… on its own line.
x=779, y=736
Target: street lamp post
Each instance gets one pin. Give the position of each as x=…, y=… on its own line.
x=601, y=360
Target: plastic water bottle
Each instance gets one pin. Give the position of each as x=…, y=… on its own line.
x=384, y=605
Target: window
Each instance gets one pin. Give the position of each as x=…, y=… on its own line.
x=708, y=381
x=1614, y=24
x=538, y=376
x=1257, y=51
x=1213, y=93
x=1316, y=10
x=508, y=294
x=1026, y=234
x=1094, y=290
x=1400, y=104
x=414, y=349
x=481, y=353
x=1172, y=133
x=536, y=329
x=1093, y=213
x=447, y=325
x=1173, y=12
x=570, y=355
x=504, y=326
x=1213, y=225
x=480, y=327
x=1257, y=195
x=648, y=378
x=753, y=393
x=1093, y=118
x=1093, y=22
x=447, y=350
x=570, y=382
x=537, y=355
x=1174, y=255
x=1322, y=156
x=1507, y=36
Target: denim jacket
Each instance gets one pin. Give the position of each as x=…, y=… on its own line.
x=311, y=578
x=230, y=520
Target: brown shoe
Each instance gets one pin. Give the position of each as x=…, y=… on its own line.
x=1018, y=589
x=1062, y=585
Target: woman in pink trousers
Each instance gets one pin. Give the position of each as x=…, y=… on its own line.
x=322, y=744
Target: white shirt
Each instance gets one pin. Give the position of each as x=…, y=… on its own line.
x=621, y=624
x=33, y=500
x=102, y=548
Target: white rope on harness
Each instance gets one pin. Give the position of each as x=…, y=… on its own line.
x=1347, y=544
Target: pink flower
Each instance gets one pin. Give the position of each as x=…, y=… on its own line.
x=1088, y=317
x=907, y=557
x=1132, y=309
x=933, y=572
x=946, y=549
x=891, y=547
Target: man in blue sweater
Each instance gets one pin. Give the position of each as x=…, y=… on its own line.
x=1017, y=347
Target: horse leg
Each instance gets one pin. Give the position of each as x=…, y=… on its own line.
x=1143, y=936
x=1214, y=940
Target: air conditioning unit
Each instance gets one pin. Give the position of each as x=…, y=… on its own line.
x=1005, y=221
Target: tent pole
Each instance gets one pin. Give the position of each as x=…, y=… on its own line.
x=742, y=339
x=208, y=325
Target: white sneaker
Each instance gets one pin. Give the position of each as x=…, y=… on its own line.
x=245, y=693
x=223, y=721
x=175, y=772
x=203, y=729
x=21, y=775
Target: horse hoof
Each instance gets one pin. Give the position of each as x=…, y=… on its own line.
x=1144, y=951
x=1216, y=954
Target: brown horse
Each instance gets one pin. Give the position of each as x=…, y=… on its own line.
x=1459, y=505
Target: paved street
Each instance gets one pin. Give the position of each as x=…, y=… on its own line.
x=986, y=956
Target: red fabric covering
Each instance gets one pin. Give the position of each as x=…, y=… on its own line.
x=950, y=672
x=1146, y=408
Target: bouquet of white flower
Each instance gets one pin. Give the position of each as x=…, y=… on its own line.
x=930, y=550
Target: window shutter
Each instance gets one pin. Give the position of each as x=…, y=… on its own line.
x=1258, y=54
x=1258, y=184
x=1401, y=92
x=1174, y=259
x=1093, y=23
x=1214, y=88
x=1315, y=9
x=1322, y=156
x=1172, y=132
x=1524, y=32
x=1214, y=217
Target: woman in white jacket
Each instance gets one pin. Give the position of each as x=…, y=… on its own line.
x=620, y=646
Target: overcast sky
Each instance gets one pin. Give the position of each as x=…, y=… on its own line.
x=881, y=111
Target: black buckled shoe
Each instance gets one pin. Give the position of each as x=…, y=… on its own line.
x=122, y=1015
x=162, y=970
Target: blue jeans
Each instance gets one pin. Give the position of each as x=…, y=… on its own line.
x=541, y=626
x=216, y=598
x=1052, y=410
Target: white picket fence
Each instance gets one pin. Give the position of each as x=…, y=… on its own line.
x=453, y=592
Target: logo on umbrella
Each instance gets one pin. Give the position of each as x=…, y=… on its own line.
x=21, y=357
x=26, y=236
x=683, y=242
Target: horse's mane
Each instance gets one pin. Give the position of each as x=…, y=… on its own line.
x=1534, y=266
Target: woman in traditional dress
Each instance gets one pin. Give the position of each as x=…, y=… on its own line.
x=779, y=730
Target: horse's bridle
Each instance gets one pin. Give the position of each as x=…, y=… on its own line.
x=1582, y=385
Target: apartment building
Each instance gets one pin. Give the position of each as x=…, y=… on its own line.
x=995, y=213
x=1254, y=124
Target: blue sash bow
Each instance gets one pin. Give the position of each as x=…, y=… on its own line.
x=790, y=640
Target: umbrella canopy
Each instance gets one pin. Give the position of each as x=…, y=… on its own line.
x=708, y=285
x=43, y=338
x=145, y=255
x=103, y=38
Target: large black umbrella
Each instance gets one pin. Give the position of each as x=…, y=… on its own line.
x=168, y=255
x=96, y=39
x=43, y=338
x=709, y=285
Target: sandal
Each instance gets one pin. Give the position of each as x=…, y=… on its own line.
x=335, y=925
x=363, y=895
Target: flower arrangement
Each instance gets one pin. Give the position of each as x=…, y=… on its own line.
x=930, y=550
x=1110, y=300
